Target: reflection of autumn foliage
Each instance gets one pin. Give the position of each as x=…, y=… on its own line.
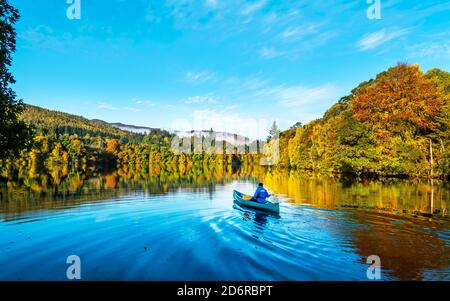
x=75, y=182
x=381, y=214
x=407, y=251
x=395, y=197
x=111, y=180
x=40, y=192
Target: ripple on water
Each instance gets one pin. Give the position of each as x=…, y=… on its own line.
x=198, y=236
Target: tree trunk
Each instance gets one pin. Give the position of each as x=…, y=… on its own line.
x=431, y=159
x=432, y=197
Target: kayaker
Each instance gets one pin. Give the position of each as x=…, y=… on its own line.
x=261, y=194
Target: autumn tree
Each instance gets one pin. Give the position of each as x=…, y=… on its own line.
x=441, y=136
x=296, y=125
x=399, y=96
x=14, y=133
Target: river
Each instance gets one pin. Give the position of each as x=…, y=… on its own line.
x=187, y=228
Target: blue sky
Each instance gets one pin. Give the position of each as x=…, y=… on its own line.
x=226, y=64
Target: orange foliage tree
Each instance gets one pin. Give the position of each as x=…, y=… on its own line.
x=398, y=97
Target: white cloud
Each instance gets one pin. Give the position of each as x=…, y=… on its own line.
x=211, y=3
x=143, y=102
x=225, y=120
x=299, y=95
x=108, y=106
x=201, y=100
x=104, y=105
x=253, y=7
x=253, y=84
x=269, y=52
x=271, y=18
x=437, y=48
x=43, y=36
x=298, y=31
x=199, y=77
x=37, y=34
x=80, y=41
x=375, y=39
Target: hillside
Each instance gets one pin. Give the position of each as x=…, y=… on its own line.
x=233, y=139
x=48, y=122
x=395, y=125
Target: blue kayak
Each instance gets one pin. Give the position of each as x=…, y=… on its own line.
x=246, y=200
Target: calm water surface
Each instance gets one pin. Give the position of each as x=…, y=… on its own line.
x=127, y=230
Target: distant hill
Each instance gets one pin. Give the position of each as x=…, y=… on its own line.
x=49, y=122
x=129, y=127
x=233, y=139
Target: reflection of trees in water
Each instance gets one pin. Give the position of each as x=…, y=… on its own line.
x=42, y=191
x=258, y=218
x=407, y=250
x=394, y=196
x=259, y=221
x=409, y=247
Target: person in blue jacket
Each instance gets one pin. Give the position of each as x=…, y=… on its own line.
x=261, y=194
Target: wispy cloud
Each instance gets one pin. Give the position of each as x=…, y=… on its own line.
x=430, y=50
x=202, y=100
x=108, y=106
x=199, y=77
x=36, y=34
x=270, y=18
x=254, y=83
x=378, y=38
x=253, y=7
x=299, y=31
x=143, y=102
x=211, y=3
x=425, y=9
x=437, y=46
x=269, y=52
x=82, y=41
x=224, y=120
x=300, y=95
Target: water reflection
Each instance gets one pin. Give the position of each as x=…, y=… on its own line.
x=400, y=197
x=393, y=196
x=257, y=218
x=40, y=193
x=409, y=248
x=326, y=228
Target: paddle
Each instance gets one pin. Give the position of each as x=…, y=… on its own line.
x=275, y=198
